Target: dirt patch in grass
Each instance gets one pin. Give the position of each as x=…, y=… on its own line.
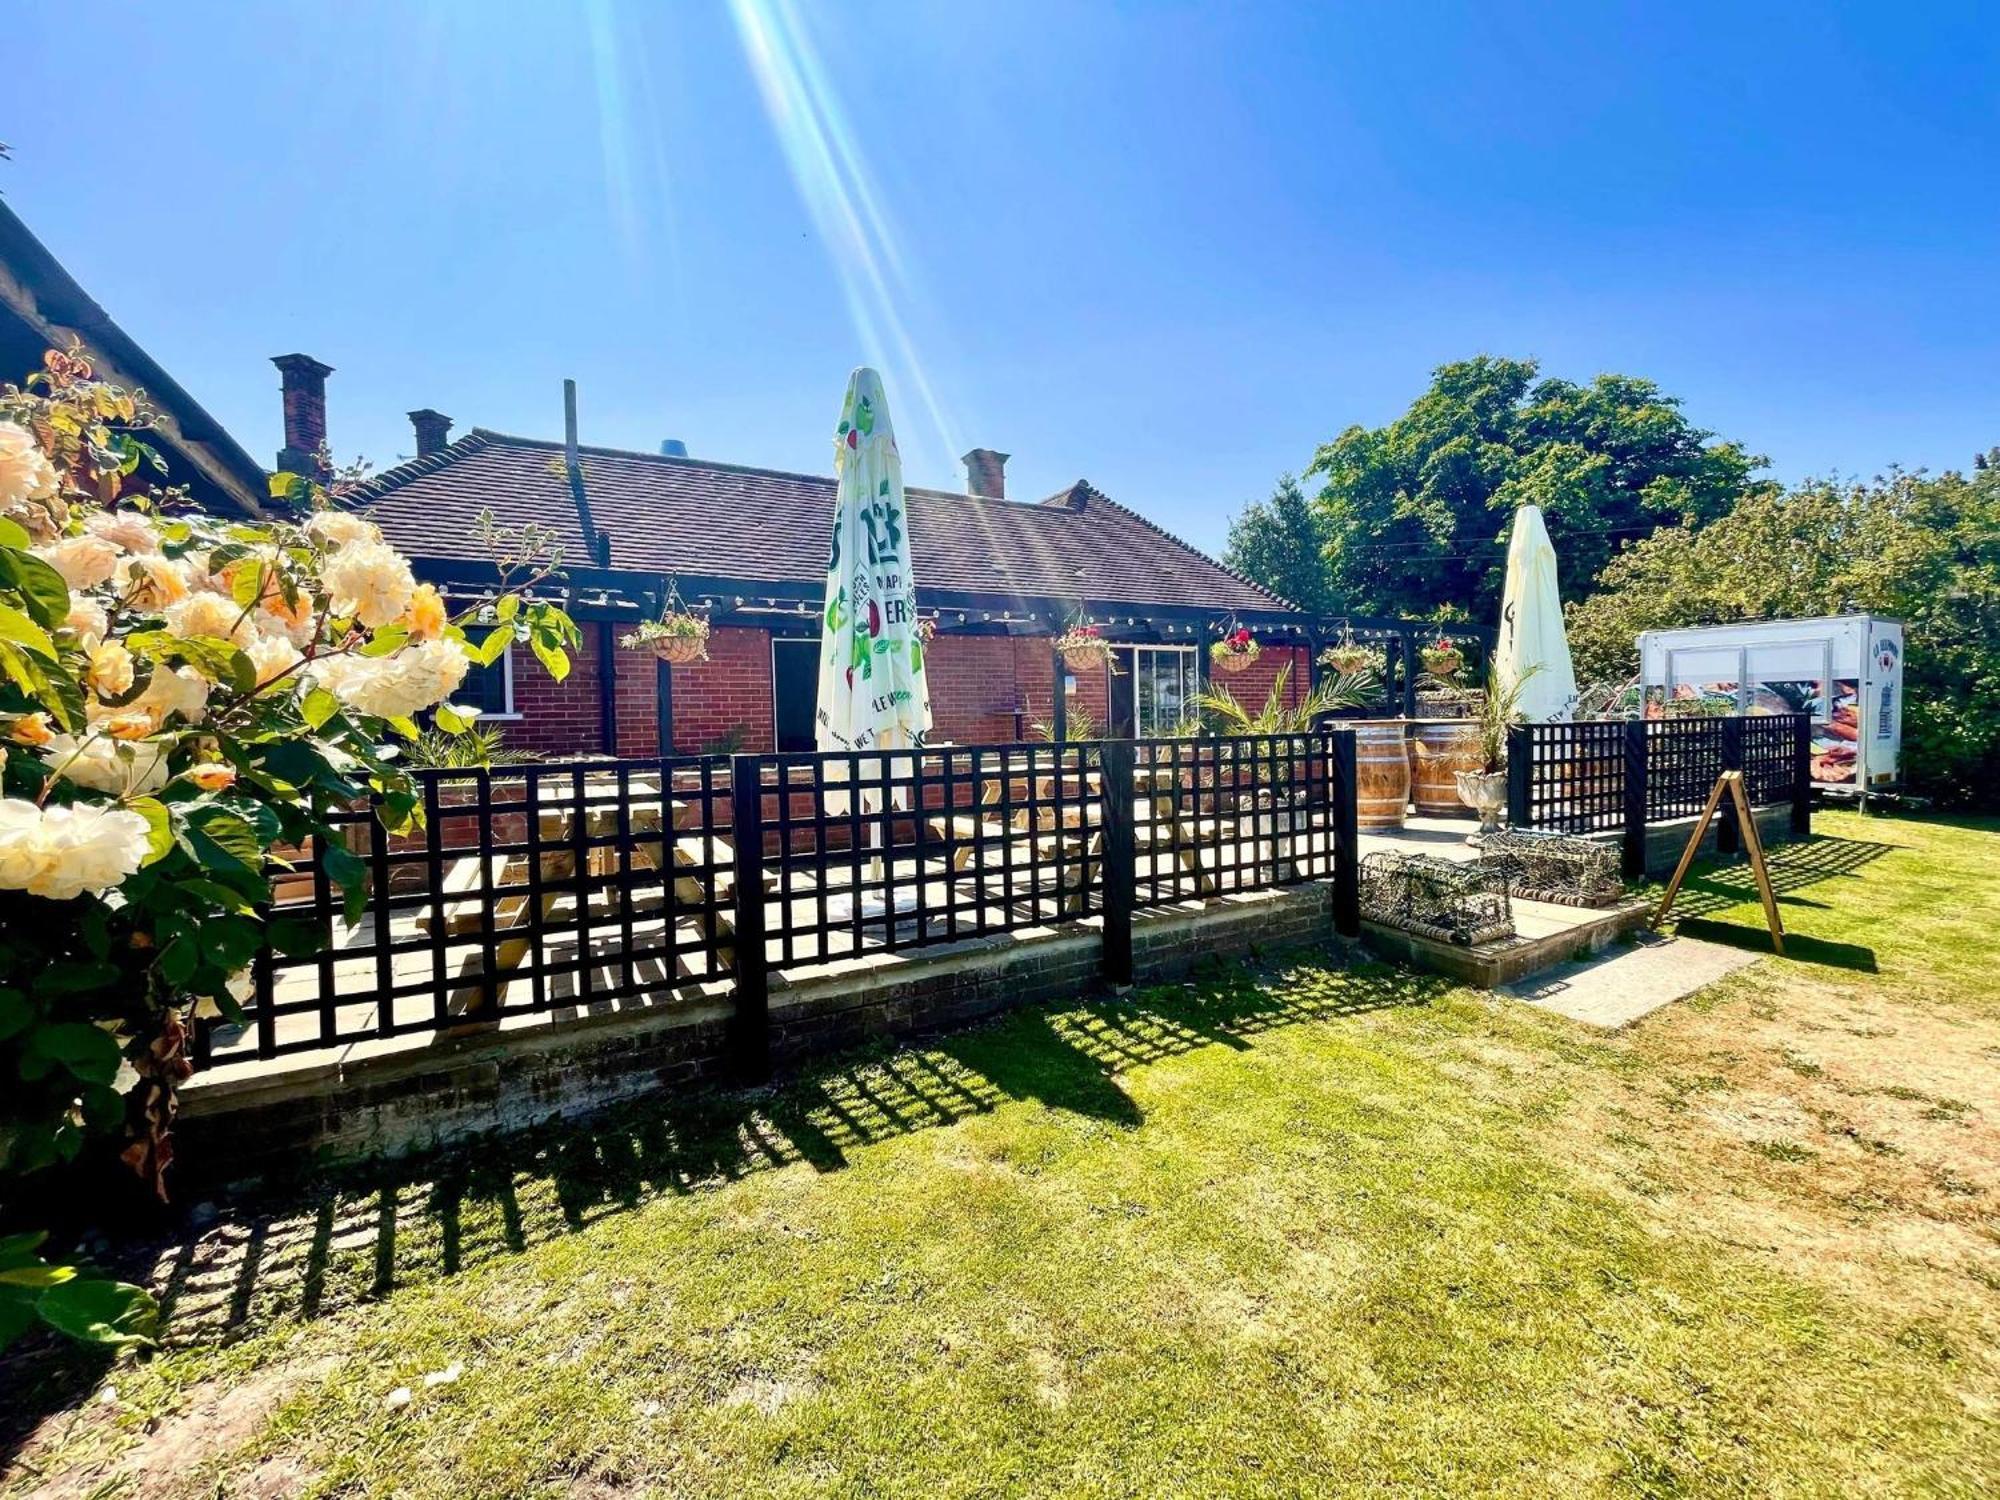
x=162, y=1455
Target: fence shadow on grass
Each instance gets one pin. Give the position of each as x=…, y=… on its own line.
x=357, y=1235
x=1712, y=887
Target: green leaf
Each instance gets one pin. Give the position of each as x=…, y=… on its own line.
x=94, y=1311
x=16, y=626
x=449, y=719
x=14, y=534
x=319, y=706
x=89, y=1052
x=351, y=875
x=495, y=645
x=225, y=843
x=38, y=1275
x=178, y=961
x=42, y=587
x=285, y=485
x=159, y=827
x=75, y=978
x=404, y=727
x=16, y=1016
x=552, y=657
x=504, y=608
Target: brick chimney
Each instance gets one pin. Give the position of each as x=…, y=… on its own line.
x=986, y=473
x=433, y=430
x=305, y=414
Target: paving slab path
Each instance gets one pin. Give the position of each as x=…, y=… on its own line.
x=1618, y=987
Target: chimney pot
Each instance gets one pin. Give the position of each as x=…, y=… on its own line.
x=303, y=382
x=433, y=429
x=986, y=473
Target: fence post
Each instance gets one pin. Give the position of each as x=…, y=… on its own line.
x=1727, y=839
x=1121, y=858
x=1635, y=799
x=750, y=1029
x=1520, y=774
x=1346, y=833
x=1802, y=776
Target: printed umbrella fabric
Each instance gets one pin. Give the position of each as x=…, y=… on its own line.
x=872, y=690
x=1531, y=625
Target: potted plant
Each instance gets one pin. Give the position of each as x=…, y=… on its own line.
x=1485, y=790
x=1443, y=660
x=677, y=638
x=1349, y=657
x=1082, y=647
x=1235, y=651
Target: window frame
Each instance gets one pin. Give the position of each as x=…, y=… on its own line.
x=1191, y=678
x=512, y=713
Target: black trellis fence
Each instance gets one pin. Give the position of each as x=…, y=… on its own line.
x=561, y=889
x=1627, y=774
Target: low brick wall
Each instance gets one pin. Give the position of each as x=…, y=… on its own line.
x=249, y=1121
x=1665, y=842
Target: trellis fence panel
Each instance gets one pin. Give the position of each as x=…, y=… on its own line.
x=565, y=888
x=1628, y=774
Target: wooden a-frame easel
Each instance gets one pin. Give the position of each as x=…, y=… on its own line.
x=1746, y=822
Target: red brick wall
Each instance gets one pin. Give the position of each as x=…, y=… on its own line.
x=976, y=684
x=732, y=687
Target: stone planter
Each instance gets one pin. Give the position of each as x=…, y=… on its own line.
x=1485, y=792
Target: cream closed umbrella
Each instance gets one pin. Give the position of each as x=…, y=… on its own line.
x=1534, y=648
x=872, y=692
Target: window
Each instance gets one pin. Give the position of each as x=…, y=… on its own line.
x=1711, y=676
x=1163, y=688
x=1789, y=677
x=490, y=689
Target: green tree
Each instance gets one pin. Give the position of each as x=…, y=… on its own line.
x=1280, y=543
x=1919, y=549
x=1415, y=514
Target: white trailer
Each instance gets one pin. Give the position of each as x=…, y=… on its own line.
x=1845, y=670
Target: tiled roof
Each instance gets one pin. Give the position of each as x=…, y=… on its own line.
x=694, y=517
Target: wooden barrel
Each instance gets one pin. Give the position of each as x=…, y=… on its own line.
x=1381, y=775
x=1438, y=751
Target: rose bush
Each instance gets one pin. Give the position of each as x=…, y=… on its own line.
x=179, y=696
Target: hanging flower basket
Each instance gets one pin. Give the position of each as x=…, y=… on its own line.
x=1082, y=648
x=1347, y=659
x=1235, y=651
x=1442, y=659
x=676, y=638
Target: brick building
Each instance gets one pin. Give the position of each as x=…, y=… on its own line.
x=747, y=547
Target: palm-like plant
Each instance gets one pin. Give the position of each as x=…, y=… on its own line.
x=1345, y=690
x=1498, y=711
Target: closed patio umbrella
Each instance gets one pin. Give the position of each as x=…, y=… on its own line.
x=872, y=692
x=1534, y=648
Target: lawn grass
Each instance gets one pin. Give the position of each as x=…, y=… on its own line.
x=1297, y=1231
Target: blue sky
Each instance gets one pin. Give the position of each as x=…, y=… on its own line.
x=1169, y=248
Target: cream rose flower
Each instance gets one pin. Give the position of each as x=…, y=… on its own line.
x=426, y=616
x=370, y=581
x=334, y=529
x=108, y=765
x=25, y=471
x=84, y=561
x=62, y=852
x=159, y=581
x=88, y=619
x=180, y=690
x=210, y=615
x=31, y=729
x=272, y=656
x=110, y=671
x=124, y=529
x=395, y=687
